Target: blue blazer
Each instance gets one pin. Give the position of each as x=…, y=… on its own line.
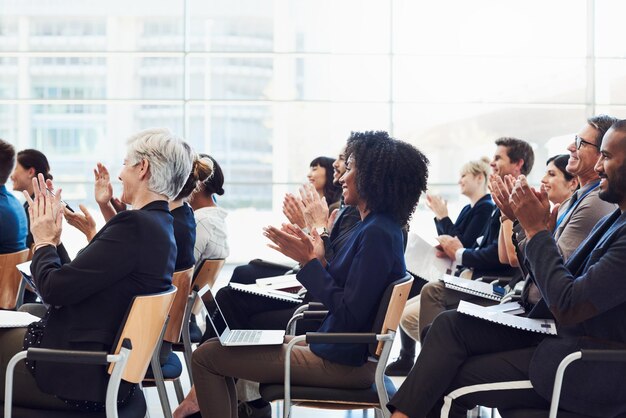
x=469, y=224
x=353, y=283
x=133, y=254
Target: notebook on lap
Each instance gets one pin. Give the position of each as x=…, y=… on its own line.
x=236, y=337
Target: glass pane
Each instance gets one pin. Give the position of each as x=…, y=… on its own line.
x=77, y=25
x=611, y=81
x=490, y=27
x=609, y=27
x=328, y=77
x=468, y=79
x=441, y=131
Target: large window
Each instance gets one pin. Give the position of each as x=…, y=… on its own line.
x=267, y=85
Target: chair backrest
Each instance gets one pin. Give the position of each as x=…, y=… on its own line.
x=10, y=278
x=207, y=272
x=390, y=309
x=143, y=326
x=182, y=281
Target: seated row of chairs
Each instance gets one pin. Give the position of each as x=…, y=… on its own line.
x=152, y=319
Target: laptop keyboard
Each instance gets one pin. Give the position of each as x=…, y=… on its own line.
x=244, y=336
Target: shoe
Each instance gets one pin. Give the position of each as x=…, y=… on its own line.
x=400, y=367
x=245, y=410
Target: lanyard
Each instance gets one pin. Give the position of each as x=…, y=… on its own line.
x=572, y=207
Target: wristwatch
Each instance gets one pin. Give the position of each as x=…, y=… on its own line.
x=322, y=231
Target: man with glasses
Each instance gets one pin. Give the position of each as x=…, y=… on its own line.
x=585, y=208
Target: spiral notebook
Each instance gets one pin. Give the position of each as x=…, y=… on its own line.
x=471, y=287
x=255, y=289
x=502, y=314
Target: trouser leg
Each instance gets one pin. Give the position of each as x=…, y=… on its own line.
x=25, y=390
x=452, y=339
x=409, y=322
x=214, y=366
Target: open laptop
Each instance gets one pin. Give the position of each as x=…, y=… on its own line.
x=236, y=337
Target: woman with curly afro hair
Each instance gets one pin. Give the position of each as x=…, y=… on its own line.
x=384, y=180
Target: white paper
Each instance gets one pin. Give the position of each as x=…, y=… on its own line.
x=285, y=281
x=471, y=287
x=24, y=267
x=421, y=259
x=12, y=319
x=544, y=326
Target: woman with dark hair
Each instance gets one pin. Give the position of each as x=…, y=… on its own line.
x=211, y=232
x=384, y=179
x=321, y=177
x=30, y=162
x=558, y=183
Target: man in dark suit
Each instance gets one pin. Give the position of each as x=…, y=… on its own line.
x=586, y=295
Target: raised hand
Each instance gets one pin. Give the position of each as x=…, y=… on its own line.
x=531, y=207
x=292, y=209
x=45, y=212
x=295, y=244
x=103, y=191
x=438, y=205
x=314, y=207
x=500, y=193
x=83, y=222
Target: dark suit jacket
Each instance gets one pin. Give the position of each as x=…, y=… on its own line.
x=470, y=223
x=133, y=254
x=483, y=257
x=587, y=296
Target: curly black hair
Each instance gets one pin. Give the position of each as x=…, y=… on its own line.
x=391, y=174
x=332, y=191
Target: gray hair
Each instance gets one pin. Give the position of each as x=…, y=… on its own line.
x=171, y=159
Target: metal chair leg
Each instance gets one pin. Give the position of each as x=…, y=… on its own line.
x=160, y=385
x=178, y=388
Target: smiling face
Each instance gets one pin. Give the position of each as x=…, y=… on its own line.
x=556, y=185
x=348, y=184
x=130, y=178
x=611, y=167
x=502, y=165
x=582, y=161
x=471, y=183
x=22, y=178
x=339, y=166
x=317, y=177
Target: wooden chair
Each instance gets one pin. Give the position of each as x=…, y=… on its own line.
x=171, y=371
x=204, y=275
x=136, y=342
x=10, y=278
x=380, y=342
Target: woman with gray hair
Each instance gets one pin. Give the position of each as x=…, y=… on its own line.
x=133, y=254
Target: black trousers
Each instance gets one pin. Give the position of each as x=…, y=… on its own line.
x=461, y=351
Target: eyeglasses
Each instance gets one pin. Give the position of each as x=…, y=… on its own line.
x=580, y=142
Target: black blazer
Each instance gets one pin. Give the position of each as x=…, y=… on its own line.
x=133, y=254
x=587, y=296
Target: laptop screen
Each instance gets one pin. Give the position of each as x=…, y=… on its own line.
x=215, y=314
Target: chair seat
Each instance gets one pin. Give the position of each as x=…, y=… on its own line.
x=171, y=369
x=135, y=408
x=319, y=396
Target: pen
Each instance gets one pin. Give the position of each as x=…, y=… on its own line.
x=62, y=201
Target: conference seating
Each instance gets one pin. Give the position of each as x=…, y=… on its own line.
x=379, y=342
x=139, y=335
x=10, y=278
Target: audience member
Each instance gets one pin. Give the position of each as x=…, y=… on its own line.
x=211, y=232
x=384, y=180
x=13, y=223
x=467, y=228
x=133, y=254
x=585, y=295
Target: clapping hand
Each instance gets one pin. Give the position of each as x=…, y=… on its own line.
x=83, y=222
x=449, y=245
x=295, y=244
x=438, y=205
x=314, y=207
x=103, y=191
x=531, y=207
x=292, y=209
x=45, y=211
x=501, y=192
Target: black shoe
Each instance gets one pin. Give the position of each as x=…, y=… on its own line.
x=246, y=410
x=400, y=367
